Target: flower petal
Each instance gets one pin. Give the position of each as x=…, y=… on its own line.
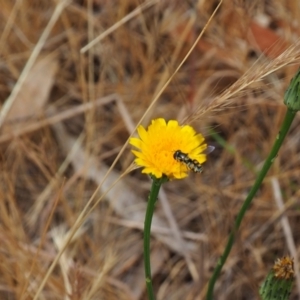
x=135, y=142
x=142, y=133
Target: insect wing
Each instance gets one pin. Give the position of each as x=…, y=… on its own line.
x=209, y=149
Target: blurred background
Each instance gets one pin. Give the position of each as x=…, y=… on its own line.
x=75, y=79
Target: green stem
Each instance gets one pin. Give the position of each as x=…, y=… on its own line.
x=289, y=117
x=156, y=184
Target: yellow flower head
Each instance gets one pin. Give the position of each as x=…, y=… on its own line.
x=158, y=144
x=284, y=268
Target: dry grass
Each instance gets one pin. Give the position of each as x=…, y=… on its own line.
x=71, y=230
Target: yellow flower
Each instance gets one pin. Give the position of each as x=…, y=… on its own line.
x=158, y=144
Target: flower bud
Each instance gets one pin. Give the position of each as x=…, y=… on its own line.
x=278, y=283
x=292, y=94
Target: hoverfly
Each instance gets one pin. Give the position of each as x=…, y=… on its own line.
x=191, y=164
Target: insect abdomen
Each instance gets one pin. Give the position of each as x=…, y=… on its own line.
x=192, y=164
